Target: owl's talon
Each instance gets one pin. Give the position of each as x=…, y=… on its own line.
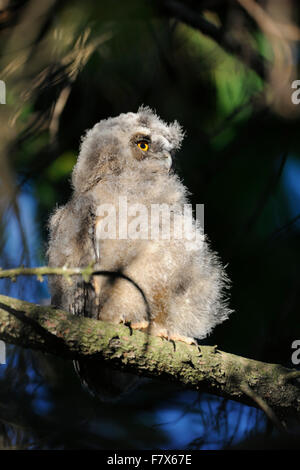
x=174, y=337
x=128, y=324
x=123, y=321
x=183, y=339
x=162, y=333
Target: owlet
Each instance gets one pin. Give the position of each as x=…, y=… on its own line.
x=129, y=215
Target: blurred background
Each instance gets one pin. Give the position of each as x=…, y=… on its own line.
x=224, y=70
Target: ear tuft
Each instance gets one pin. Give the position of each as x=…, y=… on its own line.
x=177, y=134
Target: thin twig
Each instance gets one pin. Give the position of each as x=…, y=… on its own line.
x=45, y=271
x=263, y=405
x=283, y=228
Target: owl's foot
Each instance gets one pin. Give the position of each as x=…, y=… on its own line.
x=163, y=333
x=184, y=339
x=141, y=325
x=157, y=331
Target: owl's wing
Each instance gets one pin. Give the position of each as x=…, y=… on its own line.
x=72, y=244
x=84, y=300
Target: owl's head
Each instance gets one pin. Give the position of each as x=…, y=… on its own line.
x=137, y=141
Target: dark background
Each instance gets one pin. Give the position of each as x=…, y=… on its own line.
x=224, y=70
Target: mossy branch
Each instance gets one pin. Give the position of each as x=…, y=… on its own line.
x=206, y=368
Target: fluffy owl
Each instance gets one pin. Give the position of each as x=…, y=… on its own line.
x=129, y=158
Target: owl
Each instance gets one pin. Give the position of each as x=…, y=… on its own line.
x=127, y=216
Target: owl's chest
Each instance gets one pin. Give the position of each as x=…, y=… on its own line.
x=122, y=224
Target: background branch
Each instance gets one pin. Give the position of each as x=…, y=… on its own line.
x=192, y=18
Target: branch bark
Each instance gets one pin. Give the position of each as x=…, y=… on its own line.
x=206, y=368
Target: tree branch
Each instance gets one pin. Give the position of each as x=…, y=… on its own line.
x=252, y=59
x=41, y=271
x=54, y=331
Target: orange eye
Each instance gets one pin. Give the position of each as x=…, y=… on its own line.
x=143, y=146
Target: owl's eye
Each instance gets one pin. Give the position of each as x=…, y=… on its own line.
x=143, y=145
